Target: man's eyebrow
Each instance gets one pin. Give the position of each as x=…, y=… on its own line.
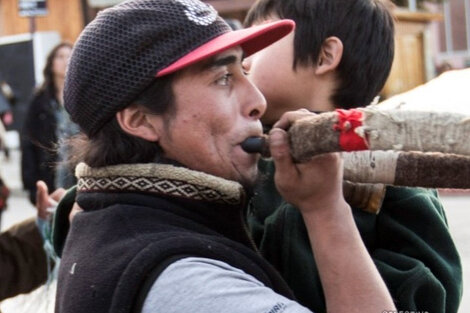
x=218, y=62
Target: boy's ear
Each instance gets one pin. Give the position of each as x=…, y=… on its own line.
x=135, y=121
x=330, y=55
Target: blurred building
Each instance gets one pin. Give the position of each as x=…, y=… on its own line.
x=26, y=39
x=452, y=45
x=64, y=16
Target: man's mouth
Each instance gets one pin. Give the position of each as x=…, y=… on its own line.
x=256, y=144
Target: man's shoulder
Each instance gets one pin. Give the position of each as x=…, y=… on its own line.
x=212, y=286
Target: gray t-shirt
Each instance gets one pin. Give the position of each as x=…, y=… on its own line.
x=200, y=285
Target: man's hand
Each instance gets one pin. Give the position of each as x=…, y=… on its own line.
x=349, y=278
x=311, y=185
x=45, y=203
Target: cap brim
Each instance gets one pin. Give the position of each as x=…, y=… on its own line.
x=251, y=40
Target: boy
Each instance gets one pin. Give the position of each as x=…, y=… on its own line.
x=339, y=57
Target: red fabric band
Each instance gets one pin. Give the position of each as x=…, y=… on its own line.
x=348, y=121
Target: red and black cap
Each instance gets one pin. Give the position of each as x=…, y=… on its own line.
x=122, y=51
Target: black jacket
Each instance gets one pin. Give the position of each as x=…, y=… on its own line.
x=134, y=226
x=38, y=141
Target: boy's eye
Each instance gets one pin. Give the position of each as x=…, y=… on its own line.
x=224, y=80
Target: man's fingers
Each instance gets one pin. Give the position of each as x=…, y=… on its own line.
x=280, y=152
x=288, y=118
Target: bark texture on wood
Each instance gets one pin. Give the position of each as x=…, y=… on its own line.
x=314, y=135
x=406, y=148
x=417, y=131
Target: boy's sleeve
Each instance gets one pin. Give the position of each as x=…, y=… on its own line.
x=415, y=252
x=409, y=241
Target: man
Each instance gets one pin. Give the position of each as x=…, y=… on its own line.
x=339, y=57
x=158, y=88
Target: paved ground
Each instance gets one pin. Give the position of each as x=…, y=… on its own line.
x=457, y=207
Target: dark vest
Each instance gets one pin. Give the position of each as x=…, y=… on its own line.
x=114, y=254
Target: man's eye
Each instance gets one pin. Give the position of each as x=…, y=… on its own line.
x=224, y=80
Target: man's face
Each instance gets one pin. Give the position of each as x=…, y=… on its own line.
x=216, y=108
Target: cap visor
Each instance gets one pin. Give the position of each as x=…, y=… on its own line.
x=251, y=40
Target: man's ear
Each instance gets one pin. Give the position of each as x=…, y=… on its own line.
x=135, y=121
x=330, y=55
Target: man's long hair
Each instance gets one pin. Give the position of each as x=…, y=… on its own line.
x=111, y=145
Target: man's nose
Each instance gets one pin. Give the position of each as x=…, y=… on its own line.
x=246, y=63
x=256, y=103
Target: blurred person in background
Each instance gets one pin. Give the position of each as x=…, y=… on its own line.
x=7, y=100
x=23, y=256
x=22, y=259
x=46, y=125
x=234, y=23
x=6, y=118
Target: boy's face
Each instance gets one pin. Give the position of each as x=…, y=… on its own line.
x=284, y=87
x=216, y=108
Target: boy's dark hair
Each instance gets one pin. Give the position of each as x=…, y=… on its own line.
x=111, y=145
x=365, y=27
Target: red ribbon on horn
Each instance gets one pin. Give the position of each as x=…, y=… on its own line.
x=348, y=121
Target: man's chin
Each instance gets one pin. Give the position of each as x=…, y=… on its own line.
x=249, y=183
